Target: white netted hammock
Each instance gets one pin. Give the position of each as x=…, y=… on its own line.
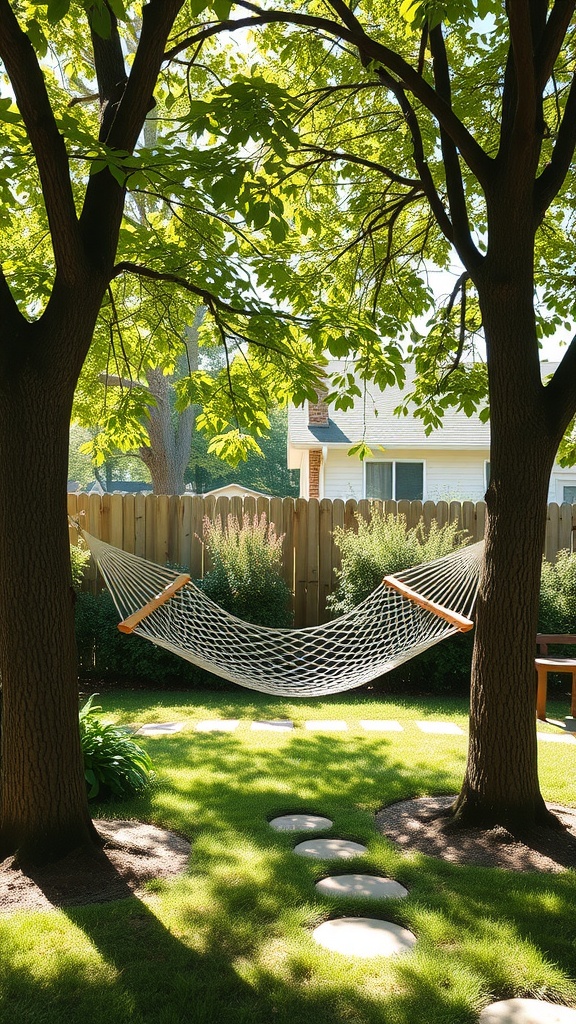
x=404, y=616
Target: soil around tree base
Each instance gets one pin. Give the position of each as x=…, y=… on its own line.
x=134, y=853
x=422, y=826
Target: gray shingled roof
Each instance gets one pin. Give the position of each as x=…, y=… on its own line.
x=377, y=423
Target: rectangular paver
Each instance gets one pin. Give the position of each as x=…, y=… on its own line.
x=159, y=729
x=448, y=728
x=218, y=725
x=282, y=725
x=556, y=737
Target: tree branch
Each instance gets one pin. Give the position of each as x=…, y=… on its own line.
x=370, y=50
x=29, y=87
x=522, y=50
x=110, y=74
x=560, y=392
x=104, y=200
x=454, y=183
x=213, y=302
x=552, y=39
x=350, y=158
x=552, y=177
x=426, y=178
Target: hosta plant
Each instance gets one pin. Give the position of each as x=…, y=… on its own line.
x=113, y=764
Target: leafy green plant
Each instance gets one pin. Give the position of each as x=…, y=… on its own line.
x=558, y=595
x=245, y=577
x=79, y=558
x=113, y=764
x=384, y=545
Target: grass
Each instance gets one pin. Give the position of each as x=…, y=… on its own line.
x=231, y=940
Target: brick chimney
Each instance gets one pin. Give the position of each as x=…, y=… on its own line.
x=314, y=468
x=318, y=411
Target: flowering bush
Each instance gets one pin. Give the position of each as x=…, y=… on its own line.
x=245, y=577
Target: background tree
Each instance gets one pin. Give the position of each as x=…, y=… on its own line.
x=131, y=403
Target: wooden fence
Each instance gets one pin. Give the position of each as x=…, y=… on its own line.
x=165, y=528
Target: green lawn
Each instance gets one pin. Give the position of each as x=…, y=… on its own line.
x=231, y=941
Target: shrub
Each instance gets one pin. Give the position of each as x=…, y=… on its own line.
x=558, y=595
x=113, y=764
x=381, y=547
x=106, y=654
x=79, y=558
x=245, y=577
x=385, y=546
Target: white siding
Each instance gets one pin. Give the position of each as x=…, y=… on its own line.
x=559, y=479
x=448, y=476
x=455, y=476
x=343, y=475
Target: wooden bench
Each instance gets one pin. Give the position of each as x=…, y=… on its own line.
x=546, y=663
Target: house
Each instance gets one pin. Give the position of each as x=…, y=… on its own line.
x=233, y=491
x=452, y=463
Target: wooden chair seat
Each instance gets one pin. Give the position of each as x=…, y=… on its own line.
x=546, y=663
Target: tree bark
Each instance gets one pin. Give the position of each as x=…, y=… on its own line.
x=44, y=808
x=501, y=781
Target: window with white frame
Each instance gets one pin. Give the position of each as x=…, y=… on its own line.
x=394, y=480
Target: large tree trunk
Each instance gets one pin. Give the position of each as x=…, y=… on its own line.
x=501, y=782
x=43, y=809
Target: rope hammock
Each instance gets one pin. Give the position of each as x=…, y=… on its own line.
x=404, y=616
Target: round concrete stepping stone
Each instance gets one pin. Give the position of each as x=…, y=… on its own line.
x=329, y=849
x=370, y=886
x=300, y=822
x=364, y=937
x=527, y=1011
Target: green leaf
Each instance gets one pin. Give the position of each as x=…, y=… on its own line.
x=100, y=20
x=118, y=9
x=258, y=215
x=57, y=9
x=37, y=37
x=221, y=9
x=361, y=450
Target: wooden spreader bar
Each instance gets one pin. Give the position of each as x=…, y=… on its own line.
x=460, y=621
x=129, y=625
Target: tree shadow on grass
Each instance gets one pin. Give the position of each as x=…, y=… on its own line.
x=231, y=943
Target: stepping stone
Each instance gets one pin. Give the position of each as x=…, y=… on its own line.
x=300, y=822
x=527, y=1011
x=364, y=937
x=329, y=849
x=373, y=725
x=159, y=729
x=556, y=737
x=328, y=725
x=444, y=727
x=370, y=886
x=279, y=726
x=218, y=725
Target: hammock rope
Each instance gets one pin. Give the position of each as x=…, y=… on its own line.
x=381, y=633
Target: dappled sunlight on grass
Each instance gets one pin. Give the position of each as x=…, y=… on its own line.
x=232, y=939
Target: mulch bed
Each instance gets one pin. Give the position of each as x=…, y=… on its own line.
x=133, y=854
x=420, y=825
